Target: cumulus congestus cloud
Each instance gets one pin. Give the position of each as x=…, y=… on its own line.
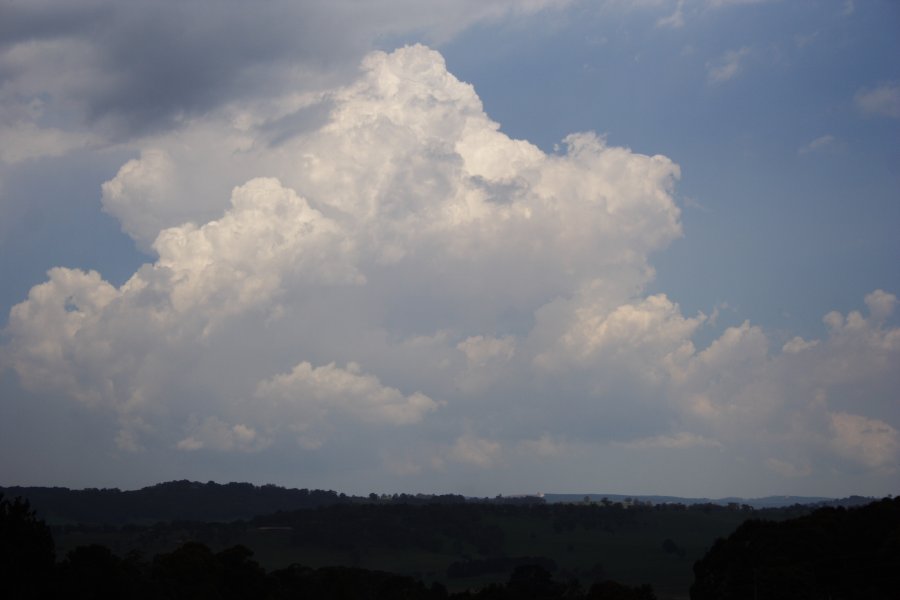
x=398, y=271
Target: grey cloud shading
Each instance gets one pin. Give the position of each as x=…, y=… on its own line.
x=151, y=64
x=162, y=62
x=39, y=20
x=301, y=121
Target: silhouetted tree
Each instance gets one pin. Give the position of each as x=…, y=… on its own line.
x=242, y=576
x=26, y=551
x=191, y=571
x=532, y=582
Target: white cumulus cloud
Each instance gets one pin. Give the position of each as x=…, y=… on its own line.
x=379, y=276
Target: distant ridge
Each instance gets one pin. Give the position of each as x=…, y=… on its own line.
x=763, y=502
x=172, y=500
x=191, y=500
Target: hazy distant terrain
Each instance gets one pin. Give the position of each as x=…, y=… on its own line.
x=764, y=502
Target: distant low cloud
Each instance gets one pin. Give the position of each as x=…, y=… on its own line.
x=304, y=398
x=676, y=441
x=882, y=100
x=788, y=469
x=216, y=435
x=727, y=66
x=474, y=450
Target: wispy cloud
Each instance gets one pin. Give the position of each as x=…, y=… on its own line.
x=722, y=3
x=802, y=40
x=727, y=66
x=882, y=100
x=818, y=144
x=675, y=20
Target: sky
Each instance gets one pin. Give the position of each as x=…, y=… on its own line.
x=481, y=247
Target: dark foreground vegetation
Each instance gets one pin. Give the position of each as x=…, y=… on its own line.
x=435, y=547
x=833, y=553
x=28, y=569
x=460, y=543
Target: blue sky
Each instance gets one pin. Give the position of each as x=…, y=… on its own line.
x=318, y=266
x=817, y=224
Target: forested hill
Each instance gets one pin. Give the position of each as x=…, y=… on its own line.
x=182, y=500
x=175, y=500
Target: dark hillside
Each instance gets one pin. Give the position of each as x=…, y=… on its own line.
x=193, y=501
x=834, y=553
